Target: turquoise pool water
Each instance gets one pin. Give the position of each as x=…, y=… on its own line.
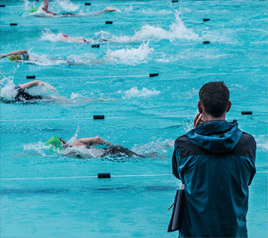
x=47, y=194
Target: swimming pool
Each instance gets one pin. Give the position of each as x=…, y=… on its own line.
x=49, y=195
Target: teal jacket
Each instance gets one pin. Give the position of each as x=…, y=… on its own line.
x=216, y=163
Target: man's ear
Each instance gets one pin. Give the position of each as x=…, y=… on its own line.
x=199, y=105
x=229, y=106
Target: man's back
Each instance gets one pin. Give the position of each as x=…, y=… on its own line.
x=215, y=162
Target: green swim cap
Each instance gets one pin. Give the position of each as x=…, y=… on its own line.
x=55, y=142
x=33, y=10
x=14, y=57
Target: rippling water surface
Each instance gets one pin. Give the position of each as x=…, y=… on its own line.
x=46, y=194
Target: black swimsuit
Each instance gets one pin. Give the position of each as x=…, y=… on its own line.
x=24, y=96
x=119, y=151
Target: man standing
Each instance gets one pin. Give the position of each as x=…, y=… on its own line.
x=216, y=163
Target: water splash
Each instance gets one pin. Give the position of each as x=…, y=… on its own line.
x=154, y=148
x=135, y=92
x=48, y=35
x=262, y=143
x=8, y=91
x=177, y=30
x=38, y=147
x=130, y=56
x=67, y=5
x=74, y=137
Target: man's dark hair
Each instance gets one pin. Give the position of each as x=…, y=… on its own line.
x=214, y=97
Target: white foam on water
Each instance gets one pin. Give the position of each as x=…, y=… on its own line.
x=74, y=137
x=262, y=143
x=8, y=91
x=48, y=35
x=154, y=148
x=129, y=56
x=82, y=152
x=75, y=151
x=39, y=90
x=188, y=125
x=135, y=92
x=177, y=30
x=44, y=60
x=67, y=5
x=38, y=147
x=75, y=96
x=85, y=59
x=224, y=36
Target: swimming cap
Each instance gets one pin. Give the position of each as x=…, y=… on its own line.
x=64, y=35
x=55, y=142
x=33, y=10
x=14, y=57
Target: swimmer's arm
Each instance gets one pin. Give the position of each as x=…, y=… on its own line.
x=35, y=83
x=90, y=141
x=17, y=52
x=45, y=8
x=107, y=9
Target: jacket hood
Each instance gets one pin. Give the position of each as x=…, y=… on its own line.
x=216, y=136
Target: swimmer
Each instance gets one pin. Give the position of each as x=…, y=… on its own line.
x=16, y=55
x=57, y=143
x=69, y=14
x=23, y=56
x=66, y=38
x=19, y=94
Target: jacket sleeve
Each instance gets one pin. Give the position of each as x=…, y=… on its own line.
x=253, y=161
x=175, y=164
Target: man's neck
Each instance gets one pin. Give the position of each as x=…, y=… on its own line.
x=207, y=117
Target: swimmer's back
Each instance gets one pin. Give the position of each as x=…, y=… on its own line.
x=119, y=151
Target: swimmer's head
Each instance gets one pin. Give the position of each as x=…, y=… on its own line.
x=25, y=56
x=14, y=57
x=32, y=10
x=55, y=143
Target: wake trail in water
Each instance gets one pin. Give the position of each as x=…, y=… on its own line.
x=177, y=30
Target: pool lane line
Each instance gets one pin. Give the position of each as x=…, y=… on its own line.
x=150, y=75
x=86, y=23
x=90, y=118
x=91, y=177
x=112, y=76
x=85, y=177
x=168, y=77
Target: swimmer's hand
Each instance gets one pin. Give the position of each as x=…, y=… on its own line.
x=3, y=55
x=106, y=99
x=198, y=119
x=47, y=85
x=110, y=9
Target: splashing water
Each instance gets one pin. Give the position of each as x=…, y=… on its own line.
x=177, y=30
x=8, y=91
x=38, y=147
x=48, y=35
x=74, y=137
x=67, y=5
x=154, y=148
x=44, y=60
x=130, y=56
x=144, y=92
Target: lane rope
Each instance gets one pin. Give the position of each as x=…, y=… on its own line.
x=85, y=177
